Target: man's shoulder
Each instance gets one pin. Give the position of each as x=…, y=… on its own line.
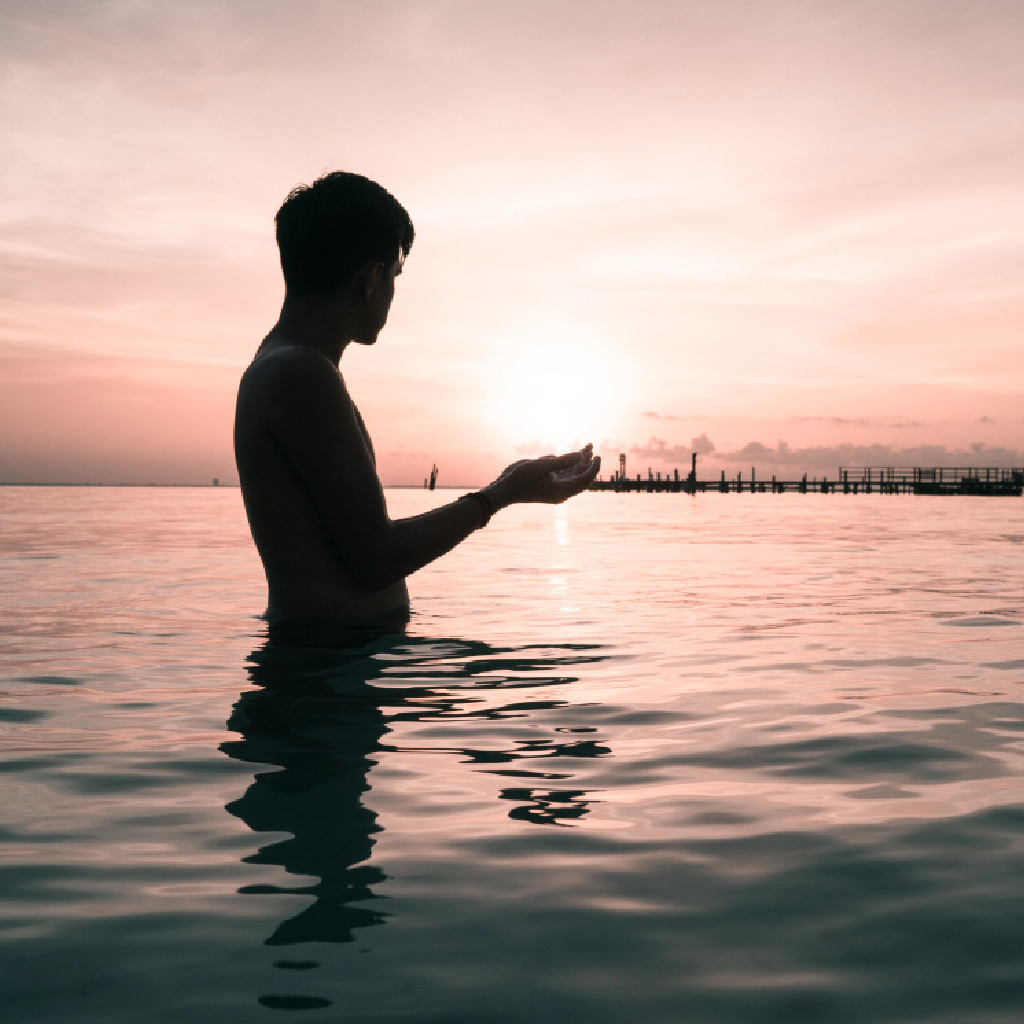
x=292, y=371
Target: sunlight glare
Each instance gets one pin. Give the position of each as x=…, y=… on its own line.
x=553, y=386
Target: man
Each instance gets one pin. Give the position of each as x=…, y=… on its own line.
x=333, y=557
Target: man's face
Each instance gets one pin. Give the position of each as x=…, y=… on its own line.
x=381, y=295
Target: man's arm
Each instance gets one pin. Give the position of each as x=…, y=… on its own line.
x=306, y=409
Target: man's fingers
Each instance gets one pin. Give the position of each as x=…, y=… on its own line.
x=572, y=474
x=583, y=452
x=567, y=484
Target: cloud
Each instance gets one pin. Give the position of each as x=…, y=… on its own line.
x=824, y=458
x=702, y=444
x=847, y=455
x=869, y=422
x=662, y=416
x=658, y=450
x=837, y=421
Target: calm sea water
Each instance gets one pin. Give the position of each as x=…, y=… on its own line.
x=641, y=758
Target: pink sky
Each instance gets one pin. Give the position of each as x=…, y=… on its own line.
x=638, y=223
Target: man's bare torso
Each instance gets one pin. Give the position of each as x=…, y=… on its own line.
x=286, y=468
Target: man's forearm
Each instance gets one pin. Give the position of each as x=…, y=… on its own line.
x=402, y=546
x=409, y=544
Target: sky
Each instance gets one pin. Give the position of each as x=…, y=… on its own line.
x=786, y=235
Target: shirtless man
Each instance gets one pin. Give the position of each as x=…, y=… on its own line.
x=332, y=555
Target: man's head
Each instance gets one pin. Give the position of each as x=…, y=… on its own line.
x=331, y=230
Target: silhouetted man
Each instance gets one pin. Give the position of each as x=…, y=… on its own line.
x=309, y=480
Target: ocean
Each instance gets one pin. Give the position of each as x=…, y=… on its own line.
x=711, y=759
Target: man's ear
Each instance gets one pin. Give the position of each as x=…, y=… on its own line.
x=369, y=279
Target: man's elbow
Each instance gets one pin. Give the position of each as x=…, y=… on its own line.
x=373, y=574
x=374, y=562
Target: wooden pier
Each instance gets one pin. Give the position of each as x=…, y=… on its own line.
x=987, y=481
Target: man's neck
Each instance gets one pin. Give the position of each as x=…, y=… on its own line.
x=317, y=322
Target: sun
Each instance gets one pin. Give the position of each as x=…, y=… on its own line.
x=555, y=385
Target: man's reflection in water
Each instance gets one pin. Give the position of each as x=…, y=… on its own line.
x=316, y=716
x=322, y=714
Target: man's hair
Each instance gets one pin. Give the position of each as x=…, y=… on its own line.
x=329, y=230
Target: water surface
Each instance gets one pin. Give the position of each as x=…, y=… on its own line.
x=660, y=758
